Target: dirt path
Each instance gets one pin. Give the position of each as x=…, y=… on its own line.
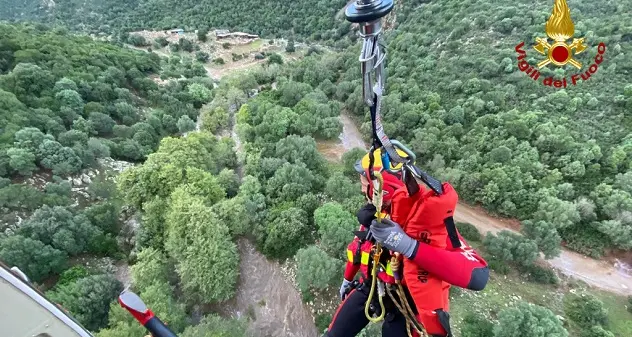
x=601, y=274
x=265, y=296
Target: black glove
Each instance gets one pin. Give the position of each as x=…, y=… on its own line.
x=366, y=215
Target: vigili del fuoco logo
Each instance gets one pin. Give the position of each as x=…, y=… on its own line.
x=560, y=28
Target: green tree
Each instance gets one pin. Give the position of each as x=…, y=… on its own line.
x=103, y=123
x=335, y=227
x=285, y=232
x=186, y=45
x=546, y=237
x=275, y=58
x=59, y=228
x=528, y=320
x=290, y=48
x=185, y=124
x=316, y=270
x=475, y=325
x=62, y=160
x=72, y=275
x=229, y=181
x=85, y=126
x=22, y=161
x=161, y=41
x=202, y=56
x=200, y=243
x=596, y=331
x=104, y=215
x=202, y=34
x=557, y=212
x=199, y=93
x=214, y=120
x=509, y=246
x=469, y=231
x=65, y=84
x=33, y=257
x=150, y=267
x=159, y=297
x=295, y=149
x=235, y=215
x=137, y=40
x=30, y=139
x=88, y=299
x=586, y=310
x=344, y=191
x=152, y=228
x=70, y=99
x=291, y=181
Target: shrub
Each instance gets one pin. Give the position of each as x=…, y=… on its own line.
x=498, y=266
x=475, y=325
x=71, y=275
x=586, y=310
x=322, y=321
x=596, y=331
x=469, y=231
x=540, y=274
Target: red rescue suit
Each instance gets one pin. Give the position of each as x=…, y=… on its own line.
x=442, y=257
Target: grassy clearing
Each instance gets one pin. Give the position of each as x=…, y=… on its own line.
x=619, y=319
x=251, y=47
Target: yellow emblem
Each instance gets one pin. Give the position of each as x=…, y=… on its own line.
x=560, y=28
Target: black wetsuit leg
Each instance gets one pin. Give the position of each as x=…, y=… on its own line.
x=394, y=324
x=349, y=318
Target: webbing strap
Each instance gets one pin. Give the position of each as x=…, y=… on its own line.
x=452, y=232
x=379, y=136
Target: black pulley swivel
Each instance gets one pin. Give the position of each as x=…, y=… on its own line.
x=361, y=11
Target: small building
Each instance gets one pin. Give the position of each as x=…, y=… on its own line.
x=178, y=31
x=219, y=32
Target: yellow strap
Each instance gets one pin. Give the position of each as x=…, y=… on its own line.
x=365, y=261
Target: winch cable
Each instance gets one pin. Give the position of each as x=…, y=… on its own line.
x=368, y=15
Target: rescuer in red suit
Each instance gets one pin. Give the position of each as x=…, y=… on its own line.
x=437, y=258
x=350, y=317
x=436, y=254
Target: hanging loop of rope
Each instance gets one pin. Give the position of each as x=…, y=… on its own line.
x=378, y=194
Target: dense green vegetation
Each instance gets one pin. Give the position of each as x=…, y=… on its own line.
x=269, y=19
x=556, y=159
x=67, y=103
